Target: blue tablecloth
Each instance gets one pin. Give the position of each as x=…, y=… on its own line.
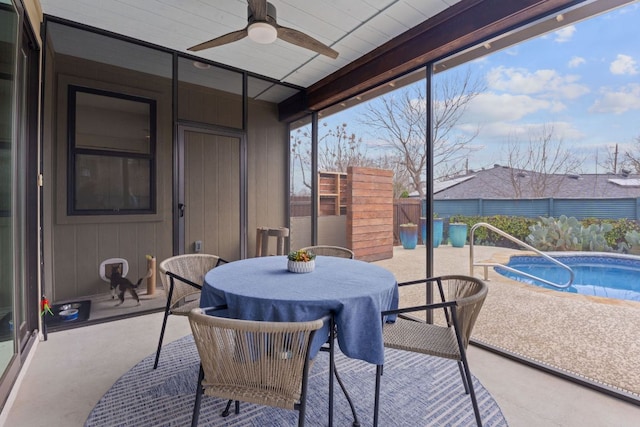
x=355, y=292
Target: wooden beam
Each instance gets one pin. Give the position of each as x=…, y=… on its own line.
x=463, y=25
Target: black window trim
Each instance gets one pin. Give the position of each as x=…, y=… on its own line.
x=72, y=151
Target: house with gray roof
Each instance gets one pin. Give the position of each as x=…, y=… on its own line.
x=502, y=182
x=506, y=191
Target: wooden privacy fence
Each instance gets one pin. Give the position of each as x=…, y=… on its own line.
x=404, y=211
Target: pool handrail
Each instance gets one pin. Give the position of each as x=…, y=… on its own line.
x=508, y=236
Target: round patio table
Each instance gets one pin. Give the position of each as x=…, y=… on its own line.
x=354, y=292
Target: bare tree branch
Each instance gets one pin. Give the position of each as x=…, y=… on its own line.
x=538, y=166
x=399, y=120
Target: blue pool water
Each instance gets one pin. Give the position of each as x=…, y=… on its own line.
x=611, y=276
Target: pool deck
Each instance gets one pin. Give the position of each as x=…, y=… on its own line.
x=593, y=337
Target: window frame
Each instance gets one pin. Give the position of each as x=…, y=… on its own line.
x=74, y=151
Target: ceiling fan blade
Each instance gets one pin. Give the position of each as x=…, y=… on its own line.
x=218, y=41
x=303, y=40
x=258, y=9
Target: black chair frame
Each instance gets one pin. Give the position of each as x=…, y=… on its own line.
x=167, y=309
x=450, y=313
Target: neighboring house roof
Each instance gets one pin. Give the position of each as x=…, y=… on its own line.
x=501, y=182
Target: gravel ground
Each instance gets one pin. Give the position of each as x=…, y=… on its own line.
x=593, y=337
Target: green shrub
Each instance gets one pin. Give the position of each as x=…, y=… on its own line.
x=605, y=235
x=518, y=227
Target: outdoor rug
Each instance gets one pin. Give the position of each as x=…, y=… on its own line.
x=417, y=390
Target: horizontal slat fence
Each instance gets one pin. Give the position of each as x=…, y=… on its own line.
x=532, y=208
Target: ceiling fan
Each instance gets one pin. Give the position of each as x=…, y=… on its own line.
x=263, y=28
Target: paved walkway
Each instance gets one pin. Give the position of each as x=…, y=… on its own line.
x=597, y=338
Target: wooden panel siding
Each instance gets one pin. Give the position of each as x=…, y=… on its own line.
x=78, y=244
x=267, y=168
x=370, y=213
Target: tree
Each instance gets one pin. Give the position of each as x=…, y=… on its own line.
x=538, y=166
x=338, y=149
x=400, y=119
x=613, y=160
x=632, y=156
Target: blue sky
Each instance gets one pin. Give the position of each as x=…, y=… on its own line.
x=583, y=81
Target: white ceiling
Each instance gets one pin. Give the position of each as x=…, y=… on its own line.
x=352, y=27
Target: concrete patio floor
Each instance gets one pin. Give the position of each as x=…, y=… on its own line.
x=67, y=374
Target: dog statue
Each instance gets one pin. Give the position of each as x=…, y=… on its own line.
x=122, y=284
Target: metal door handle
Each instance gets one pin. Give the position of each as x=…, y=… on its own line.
x=181, y=207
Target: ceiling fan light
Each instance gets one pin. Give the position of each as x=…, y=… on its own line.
x=262, y=32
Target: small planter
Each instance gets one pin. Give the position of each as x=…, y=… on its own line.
x=301, y=266
x=301, y=261
x=409, y=235
x=457, y=234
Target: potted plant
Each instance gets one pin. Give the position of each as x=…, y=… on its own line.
x=457, y=234
x=301, y=261
x=437, y=230
x=409, y=235
x=438, y=227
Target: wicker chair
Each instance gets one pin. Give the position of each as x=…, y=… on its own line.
x=266, y=363
x=183, y=289
x=326, y=250
x=448, y=337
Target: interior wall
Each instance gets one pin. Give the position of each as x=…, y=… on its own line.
x=267, y=170
x=80, y=243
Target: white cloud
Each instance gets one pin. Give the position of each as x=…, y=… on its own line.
x=618, y=101
x=502, y=131
x=563, y=35
x=512, y=51
x=576, y=61
x=547, y=82
x=623, y=65
x=491, y=107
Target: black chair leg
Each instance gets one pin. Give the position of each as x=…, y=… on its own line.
x=464, y=378
x=226, y=411
x=164, y=325
x=376, y=405
x=196, y=406
x=472, y=392
x=227, y=408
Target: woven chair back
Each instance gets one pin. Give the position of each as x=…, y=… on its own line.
x=470, y=293
x=192, y=267
x=326, y=250
x=259, y=362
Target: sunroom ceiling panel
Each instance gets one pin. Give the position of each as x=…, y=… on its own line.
x=352, y=27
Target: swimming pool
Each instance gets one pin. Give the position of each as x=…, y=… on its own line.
x=599, y=274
